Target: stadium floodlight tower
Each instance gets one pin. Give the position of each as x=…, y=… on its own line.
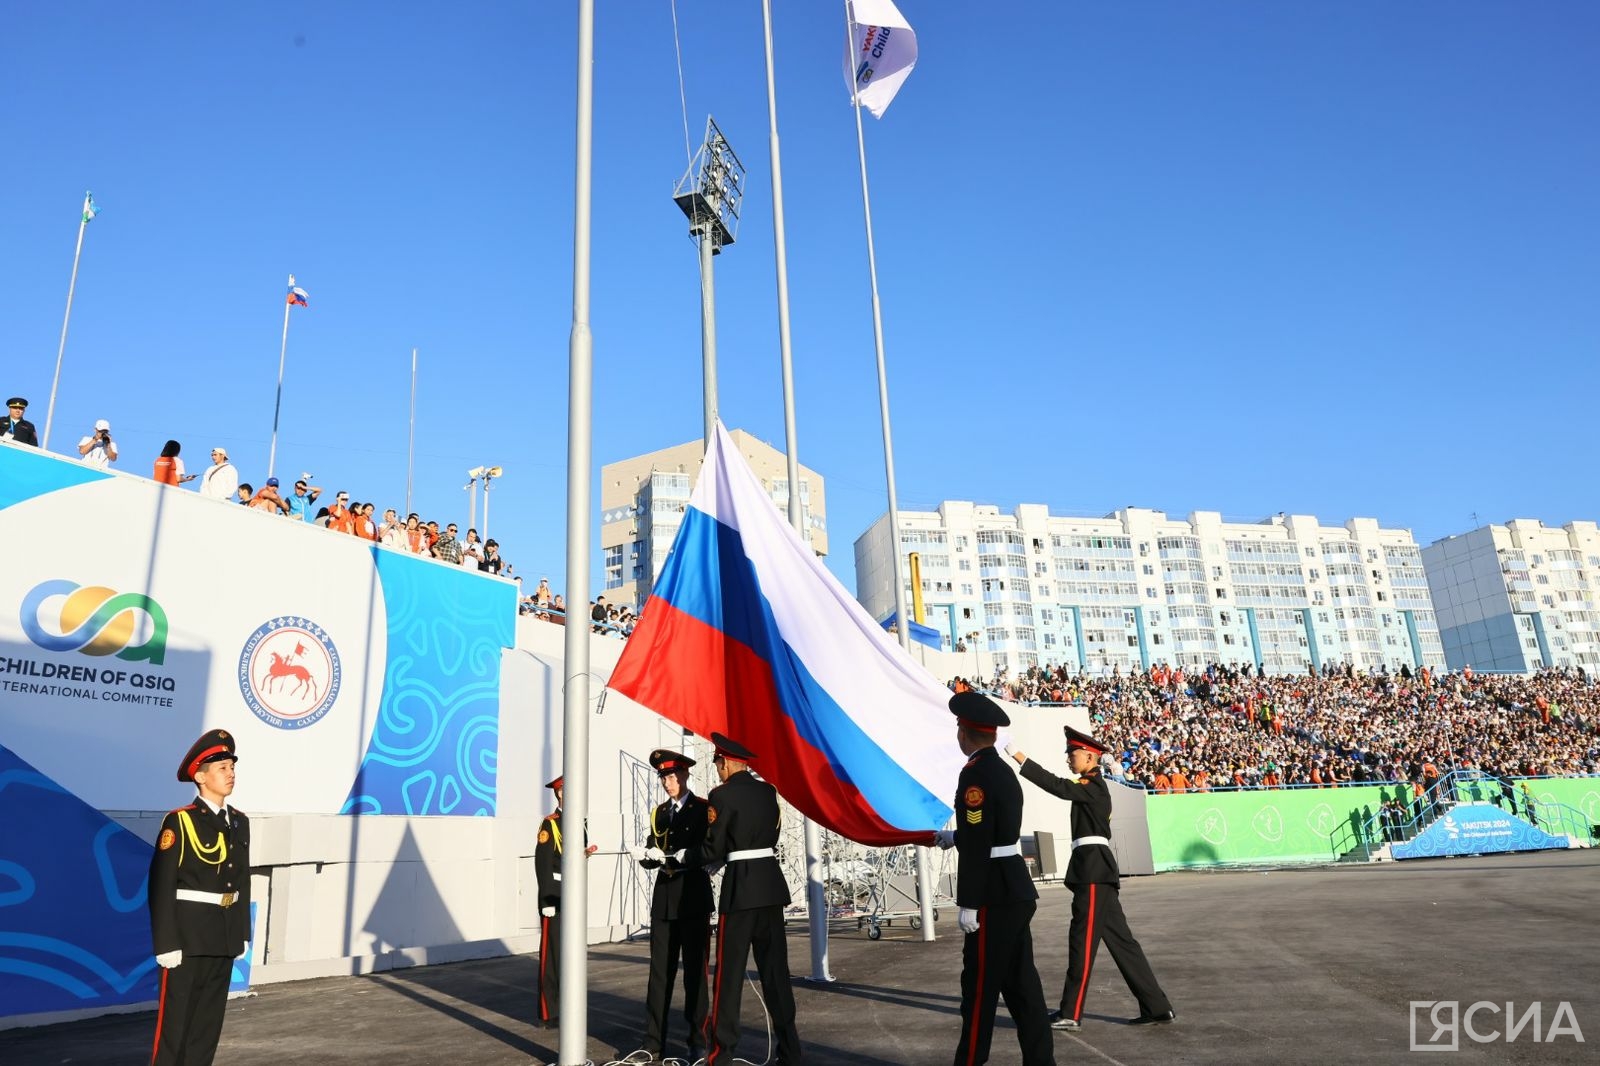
x=709, y=194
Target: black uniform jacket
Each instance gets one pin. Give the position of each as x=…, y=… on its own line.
x=21, y=430
x=200, y=851
x=1091, y=864
x=743, y=815
x=988, y=815
x=547, y=860
x=683, y=888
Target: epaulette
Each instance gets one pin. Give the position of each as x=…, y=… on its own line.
x=970, y=761
x=185, y=807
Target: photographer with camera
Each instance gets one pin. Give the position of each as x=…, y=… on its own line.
x=98, y=449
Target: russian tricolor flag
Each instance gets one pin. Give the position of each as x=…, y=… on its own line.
x=748, y=634
x=297, y=295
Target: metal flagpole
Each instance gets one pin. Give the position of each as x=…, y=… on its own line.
x=72, y=287
x=816, y=903
x=575, y=705
x=411, y=448
x=277, y=406
x=903, y=621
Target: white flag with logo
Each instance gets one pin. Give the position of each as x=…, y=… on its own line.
x=883, y=49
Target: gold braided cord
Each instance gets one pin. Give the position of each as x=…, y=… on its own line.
x=203, y=853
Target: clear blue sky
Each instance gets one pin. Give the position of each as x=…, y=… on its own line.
x=1336, y=258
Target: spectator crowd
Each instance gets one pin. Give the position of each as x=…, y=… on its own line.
x=1176, y=731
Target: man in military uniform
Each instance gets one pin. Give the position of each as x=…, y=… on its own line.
x=680, y=908
x=199, y=897
x=14, y=426
x=742, y=832
x=1094, y=879
x=995, y=895
x=547, y=865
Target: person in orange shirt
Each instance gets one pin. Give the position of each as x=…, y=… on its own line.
x=1178, y=780
x=1163, y=783
x=169, y=468
x=341, y=519
x=361, y=523
x=267, y=498
x=1202, y=781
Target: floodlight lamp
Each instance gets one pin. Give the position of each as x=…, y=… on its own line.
x=494, y=471
x=476, y=472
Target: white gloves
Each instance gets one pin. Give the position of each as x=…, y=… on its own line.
x=637, y=851
x=655, y=854
x=968, y=920
x=678, y=855
x=945, y=838
x=244, y=950
x=169, y=959
x=548, y=912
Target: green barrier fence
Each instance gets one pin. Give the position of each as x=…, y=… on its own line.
x=1275, y=826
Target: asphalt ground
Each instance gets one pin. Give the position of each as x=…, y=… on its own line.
x=1283, y=966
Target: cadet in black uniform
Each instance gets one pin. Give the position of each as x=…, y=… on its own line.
x=547, y=865
x=15, y=426
x=994, y=892
x=199, y=897
x=742, y=831
x=680, y=909
x=1094, y=879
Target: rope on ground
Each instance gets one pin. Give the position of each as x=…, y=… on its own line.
x=641, y=1056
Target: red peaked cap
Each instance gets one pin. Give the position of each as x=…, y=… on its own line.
x=1076, y=739
x=213, y=745
x=977, y=711
x=556, y=783
x=666, y=761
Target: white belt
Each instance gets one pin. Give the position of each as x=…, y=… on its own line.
x=221, y=899
x=1000, y=851
x=1078, y=843
x=752, y=853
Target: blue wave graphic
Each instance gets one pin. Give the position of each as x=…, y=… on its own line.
x=73, y=933
x=433, y=750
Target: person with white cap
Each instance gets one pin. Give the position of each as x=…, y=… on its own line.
x=221, y=479
x=98, y=449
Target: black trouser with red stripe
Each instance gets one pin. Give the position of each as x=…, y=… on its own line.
x=1096, y=916
x=997, y=961
x=760, y=928
x=549, y=966
x=668, y=939
x=194, y=997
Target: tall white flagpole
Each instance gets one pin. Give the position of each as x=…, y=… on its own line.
x=816, y=901
x=61, y=351
x=411, y=446
x=277, y=405
x=903, y=622
x=580, y=471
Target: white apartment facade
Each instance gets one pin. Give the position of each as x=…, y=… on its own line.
x=1137, y=588
x=1519, y=596
x=643, y=500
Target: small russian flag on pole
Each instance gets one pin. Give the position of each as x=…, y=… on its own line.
x=297, y=295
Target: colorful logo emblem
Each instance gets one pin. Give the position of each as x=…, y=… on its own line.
x=96, y=621
x=289, y=672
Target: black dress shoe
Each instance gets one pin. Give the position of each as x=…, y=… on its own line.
x=1155, y=1019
